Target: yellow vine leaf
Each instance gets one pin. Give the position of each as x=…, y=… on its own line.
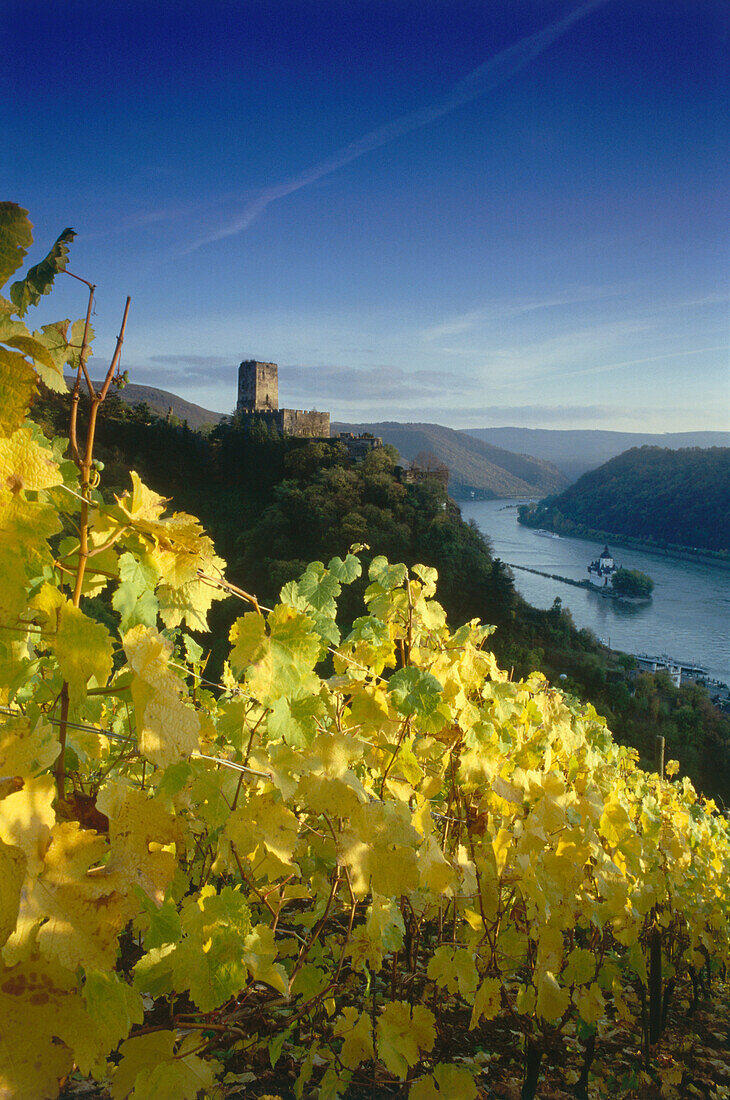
x=81, y=646
x=590, y=1004
x=18, y=384
x=26, y=819
x=26, y=749
x=281, y=661
x=580, y=967
x=525, y=1000
x=12, y=876
x=112, y=1006
x=168, y=728
x=381, y=933
x=454, y=970
x=143, y=503
x=25, y=527
x=445, y=1083
x=379, y=849
x=403, y=1035
x=488, y=1001
x=250, y=641
x=151, y=1069
x=143, y=838
x=552, y=1001
x=50, y=353
x=335, y=797
x=191, y=602
x=264, y=825
x=16, y=237
x=39, y=1004
x=436, y=873
x=81, y=913
x=177, y=548
x=25, y=464
x=356, y=1031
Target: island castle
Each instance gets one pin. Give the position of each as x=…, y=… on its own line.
x=258, y=397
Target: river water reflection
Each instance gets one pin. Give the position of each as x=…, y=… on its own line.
x=687, y=618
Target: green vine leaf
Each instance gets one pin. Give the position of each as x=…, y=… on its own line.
x=39, y=280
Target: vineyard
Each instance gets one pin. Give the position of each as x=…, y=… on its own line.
x=366, y=863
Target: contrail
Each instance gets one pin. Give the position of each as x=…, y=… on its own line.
x=490, y=75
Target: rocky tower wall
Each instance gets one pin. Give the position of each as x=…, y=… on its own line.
x=258, y=386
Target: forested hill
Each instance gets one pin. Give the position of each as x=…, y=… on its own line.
x=575, y=451
x=160, y=402
x=674, y=497
x=476, y=468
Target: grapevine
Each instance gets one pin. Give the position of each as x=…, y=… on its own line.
x=317, y=861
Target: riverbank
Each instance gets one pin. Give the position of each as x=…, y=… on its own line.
x=676, y=553
x=609, y=592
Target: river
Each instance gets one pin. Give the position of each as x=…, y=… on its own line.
x=687, y=618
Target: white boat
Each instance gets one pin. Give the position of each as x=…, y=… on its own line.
x=548, y=534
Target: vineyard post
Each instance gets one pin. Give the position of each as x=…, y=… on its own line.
x=659, y=756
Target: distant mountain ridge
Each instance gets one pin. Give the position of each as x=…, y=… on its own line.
x=476, y=468
x=488, y=462
x=579, y=450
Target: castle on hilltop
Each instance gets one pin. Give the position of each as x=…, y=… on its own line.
x=258, y=398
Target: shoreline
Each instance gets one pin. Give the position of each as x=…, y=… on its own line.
x=631, y=543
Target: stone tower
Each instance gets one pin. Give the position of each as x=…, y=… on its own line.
x=258, y=400
x=258, y=386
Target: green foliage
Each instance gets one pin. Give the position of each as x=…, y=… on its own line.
x=672, y=498
x=39, y=279
x=632, y=582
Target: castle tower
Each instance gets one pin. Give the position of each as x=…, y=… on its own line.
x=258, y=386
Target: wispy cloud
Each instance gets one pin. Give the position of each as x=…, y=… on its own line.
x=142, y=220
x=383, y=384
x=508, y=310
x=193, y=362
x=604, y=368
x=495, y=71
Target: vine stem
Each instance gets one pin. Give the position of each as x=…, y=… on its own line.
x=391, y=762
x=85, y=466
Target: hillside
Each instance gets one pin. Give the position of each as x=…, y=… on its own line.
x=672, y=497
x=160, y=401
x=273, y=504
x=475, y=467
x=576, y=452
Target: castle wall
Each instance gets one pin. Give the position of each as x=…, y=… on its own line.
x=300, y=423
x=291, y=421
x=258, y=386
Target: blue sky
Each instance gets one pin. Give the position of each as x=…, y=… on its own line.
x=475, y=213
